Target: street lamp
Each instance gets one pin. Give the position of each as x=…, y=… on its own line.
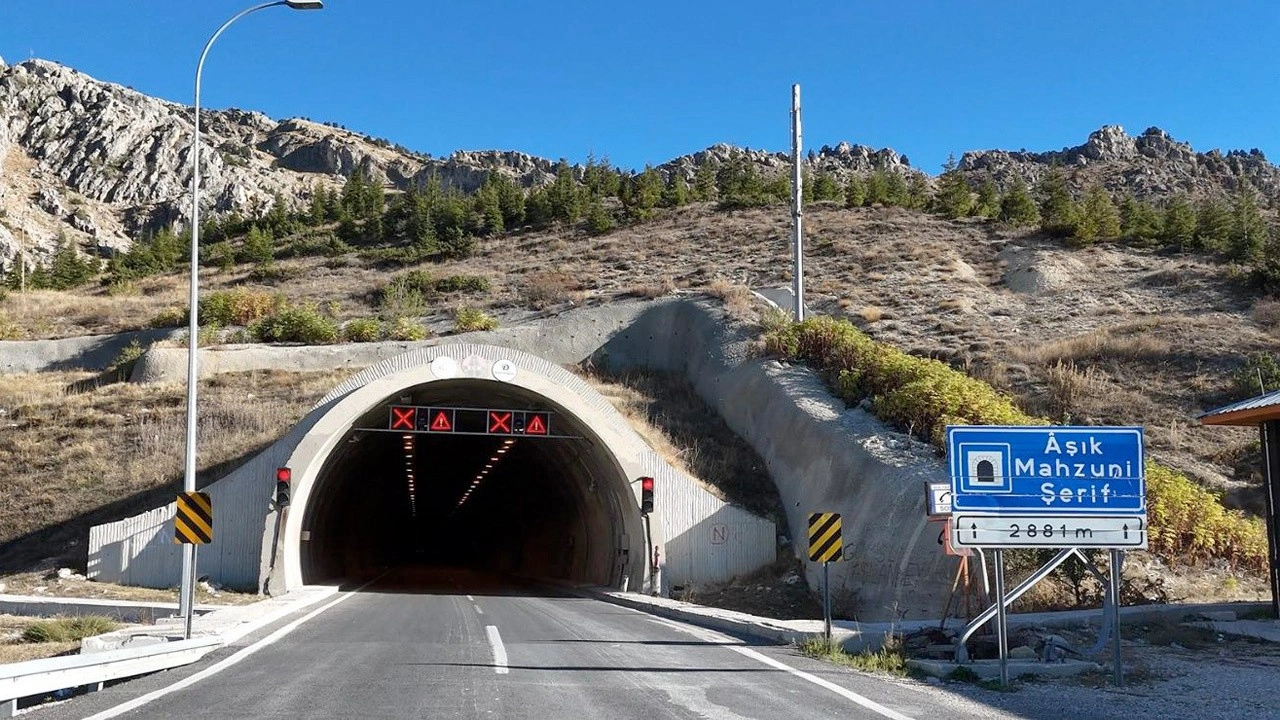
x=187, y=599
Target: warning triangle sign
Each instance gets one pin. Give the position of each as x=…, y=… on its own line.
x=440, y=423
x=537, y=426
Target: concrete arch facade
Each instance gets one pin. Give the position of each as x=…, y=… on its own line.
x=258, y=546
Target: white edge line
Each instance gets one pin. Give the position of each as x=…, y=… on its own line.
x=222, y=664
x=733, y=644
x=499, y=652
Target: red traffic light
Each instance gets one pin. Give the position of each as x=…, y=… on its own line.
x=284, y=475
x=646, y=484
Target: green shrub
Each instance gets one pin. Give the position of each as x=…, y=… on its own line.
x=407, y=330
x=269, y=272
x=471, y=319
x=170, y=317
x=923, y=397
x=362, y=330
x=238, y=307
x=66, y=629
x=299, y=324
x=1260, y=365
x=463, y=283
x=128, y=356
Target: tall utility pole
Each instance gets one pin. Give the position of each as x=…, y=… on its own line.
x=797, y=201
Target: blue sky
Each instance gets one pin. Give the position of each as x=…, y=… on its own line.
x=645, y=82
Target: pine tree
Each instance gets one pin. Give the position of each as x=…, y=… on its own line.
x=826, y=189
x=1016, y=206
x=953, y=199
x=67, y=269
x=898, y=194
x=1058, y=212
x=1213, y=225
x=259, y=246
x=877, y=188
x=1248, y=229
x=855, y=192
x=677, y=190
x=704, y=182
x=563, y=195
x=1098, y=218
x=317, y=212
x=1139, y=222
x=988, y=203
x=1178, y=224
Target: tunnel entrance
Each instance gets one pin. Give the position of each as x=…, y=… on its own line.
x=399, y=492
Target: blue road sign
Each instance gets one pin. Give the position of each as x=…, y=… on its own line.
x=1050, y=470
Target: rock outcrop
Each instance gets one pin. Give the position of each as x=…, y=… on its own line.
x=1150, y=166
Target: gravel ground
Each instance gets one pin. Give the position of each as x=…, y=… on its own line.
x=1170, y=672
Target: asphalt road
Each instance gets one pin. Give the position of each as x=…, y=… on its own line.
x=463, y=646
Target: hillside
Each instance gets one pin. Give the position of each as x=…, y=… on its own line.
x=1104, y=315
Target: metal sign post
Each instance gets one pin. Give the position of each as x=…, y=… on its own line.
x=826, y=600
x=1002, y=620
x=1117, y=558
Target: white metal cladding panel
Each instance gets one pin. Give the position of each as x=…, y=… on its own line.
x=136, y=551
x=706, y=538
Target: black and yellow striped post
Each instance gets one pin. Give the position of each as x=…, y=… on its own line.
x=193, y=524
x=826, y=543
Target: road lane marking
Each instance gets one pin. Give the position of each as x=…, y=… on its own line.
x=225, y=662
x=730, y=643
x=499, y=652
x=472, y=599
x=477, y=607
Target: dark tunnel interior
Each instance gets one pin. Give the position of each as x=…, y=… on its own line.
x=541, y=507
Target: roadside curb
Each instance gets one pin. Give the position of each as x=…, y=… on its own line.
x=855, y=637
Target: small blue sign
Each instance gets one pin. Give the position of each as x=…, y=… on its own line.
x=1047, y=469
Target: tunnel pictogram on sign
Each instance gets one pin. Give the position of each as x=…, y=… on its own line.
x=825, y=544
x=193, y=523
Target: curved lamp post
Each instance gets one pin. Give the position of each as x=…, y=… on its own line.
x=187, y=599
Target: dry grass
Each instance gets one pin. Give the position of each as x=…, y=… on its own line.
x=871, y=314
x=1069, y=386
x=42, y=583
x=1126, y=343
x=14, y=649
x=1266, y=313
x=659, y=288
x=737, y=299
x=73, y=460
x=545, y=288
x=664, y=410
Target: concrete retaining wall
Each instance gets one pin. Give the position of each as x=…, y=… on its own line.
x=822, y=456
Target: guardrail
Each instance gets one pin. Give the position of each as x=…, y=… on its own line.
x=35, y=677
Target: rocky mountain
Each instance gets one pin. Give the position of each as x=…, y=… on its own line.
x=98, y=162
x=1150, y=166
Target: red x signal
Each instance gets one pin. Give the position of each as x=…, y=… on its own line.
x=499, y=422
x=403, y=418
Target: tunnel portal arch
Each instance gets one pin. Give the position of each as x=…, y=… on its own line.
x=595, y=475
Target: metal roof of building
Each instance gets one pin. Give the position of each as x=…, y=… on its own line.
x=1251, y=411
